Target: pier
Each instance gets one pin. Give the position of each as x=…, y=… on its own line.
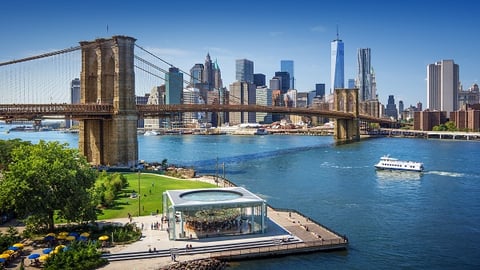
x=289, y=232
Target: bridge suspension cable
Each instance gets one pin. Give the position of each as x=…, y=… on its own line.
x=71, y=49
x=169, y=64
x=44, y=78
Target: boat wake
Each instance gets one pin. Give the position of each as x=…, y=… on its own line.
x=398, y=175
x=449, y=174
x=208, y=163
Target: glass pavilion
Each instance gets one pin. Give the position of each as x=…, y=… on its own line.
x=213, y=212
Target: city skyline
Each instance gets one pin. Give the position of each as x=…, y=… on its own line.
x=404, y=36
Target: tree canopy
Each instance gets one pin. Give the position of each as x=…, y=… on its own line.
x=6, y=148
x=47, y=178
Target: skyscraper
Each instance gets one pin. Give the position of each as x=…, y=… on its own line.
x=75, y=91
x=74, y=99
x=391, y=109
x=173, y=86
x=244, y=70
x=287, y=66
x=364, y=76
x=320, y=90
x=196, y=74
x=217, y=76
x=442, y=86
x=208, y=75
x=259, y=79
x=242, y=93
x=285, y=80
x=337, y=69
x=351, y=83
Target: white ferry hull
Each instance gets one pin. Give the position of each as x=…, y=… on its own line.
x=388, y=163
x=398, y=169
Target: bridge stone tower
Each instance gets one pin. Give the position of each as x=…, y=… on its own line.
x=347, y=130
x=108, y=77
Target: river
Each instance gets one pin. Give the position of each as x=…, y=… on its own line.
x=392, y=220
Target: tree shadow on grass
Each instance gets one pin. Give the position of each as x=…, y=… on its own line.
x=119, y=205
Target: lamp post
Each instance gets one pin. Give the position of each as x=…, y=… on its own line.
x=216, y=172
x=139, y=197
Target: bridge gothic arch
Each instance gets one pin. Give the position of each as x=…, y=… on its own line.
x=347, y=129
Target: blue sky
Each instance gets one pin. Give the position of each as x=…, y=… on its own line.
x=404, y=36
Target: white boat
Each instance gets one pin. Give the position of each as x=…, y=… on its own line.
x=389, y=163
x=261, y=131
x=150, y=133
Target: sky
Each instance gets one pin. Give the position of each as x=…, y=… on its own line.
x=404, y=36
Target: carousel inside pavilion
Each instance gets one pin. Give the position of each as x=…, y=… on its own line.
x=213, y=212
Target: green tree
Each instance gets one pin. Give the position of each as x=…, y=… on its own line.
x=48, y=178
x=6, y=148
x=108, y=187
x=450, y=126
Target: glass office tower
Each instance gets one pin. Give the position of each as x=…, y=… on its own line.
x=337, y=64
x=287, y=66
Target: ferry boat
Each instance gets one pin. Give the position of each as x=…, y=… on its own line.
x=389, y=163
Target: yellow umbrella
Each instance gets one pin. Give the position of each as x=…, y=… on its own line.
x=103, y=238
x=18, y=245
x=59, y=247
x=63, y=233
x=70, y=238
x=51, y=234
x=9, y=252
x=85, y=234
x=61, y=237
x=43, y=258
x=4, y=256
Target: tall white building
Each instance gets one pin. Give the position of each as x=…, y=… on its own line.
x=263, y=98
x=337, y=64
x=192, y=95
x=442, y=86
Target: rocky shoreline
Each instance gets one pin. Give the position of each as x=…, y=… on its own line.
x=201, y=264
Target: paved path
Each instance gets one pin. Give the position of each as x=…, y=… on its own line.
x=281, y=224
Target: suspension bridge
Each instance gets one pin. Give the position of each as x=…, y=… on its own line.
x=112, y=72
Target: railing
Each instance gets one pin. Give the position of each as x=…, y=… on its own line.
x=162, y=109
x=314, y=221
x=33, y=111
x=282, y=248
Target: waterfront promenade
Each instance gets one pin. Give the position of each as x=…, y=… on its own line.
x=289, y=232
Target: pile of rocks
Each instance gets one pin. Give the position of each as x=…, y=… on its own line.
x=202, y=264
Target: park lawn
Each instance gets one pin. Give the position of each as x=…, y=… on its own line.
x=152, y=187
